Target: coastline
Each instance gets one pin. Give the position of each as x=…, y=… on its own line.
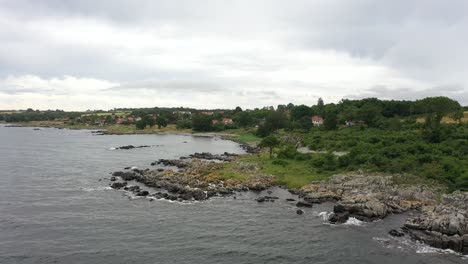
x=360, y=196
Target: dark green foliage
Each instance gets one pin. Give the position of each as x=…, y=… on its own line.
x=202, y=123
x=140, y=124
x=183, y=124
x=397, y=151
x=243, y=119
x=280, y=162
x=162, y=121
x=331, y=120
x=273, y=121
x=269, y=142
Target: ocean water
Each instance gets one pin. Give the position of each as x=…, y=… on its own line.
x=56, y=207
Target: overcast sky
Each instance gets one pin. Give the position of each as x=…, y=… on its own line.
x=88, y=54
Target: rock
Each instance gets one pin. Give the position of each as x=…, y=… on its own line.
x=209, y=156
x=396, y=233
x=112, y=178
x=260, y=199
x=142, y=193
x=299, y=212
x=339, y=218
x=338, y=209
x=132, y=147
x=443, y=226
x=118, y=185
x=303, y=204
x=290, y=199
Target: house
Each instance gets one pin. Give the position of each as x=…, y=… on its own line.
x=131, y=119
x=227, y=121
x=317, y=120
x=101, y=122
x=138, y=119
x=214, y=121
x=182, y=113
x=121, y=120
x=355, y=123
x=206, y=113
x=350, y=123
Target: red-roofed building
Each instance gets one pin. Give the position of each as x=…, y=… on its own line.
x=214, y=121
x=317, y=120
x=120, y=120
x=227, y=121
x=130, y=119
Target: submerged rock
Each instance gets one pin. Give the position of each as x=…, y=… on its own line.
x=303, y=204
x=396, y=233
x=118, y=185
x=338, y=218
x=299, y=212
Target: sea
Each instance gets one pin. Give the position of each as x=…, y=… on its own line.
x=56, y=206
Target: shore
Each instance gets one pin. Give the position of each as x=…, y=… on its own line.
x=361, y=196
x=442, y=219
x=238, y=135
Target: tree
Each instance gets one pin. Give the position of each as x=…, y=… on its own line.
x=269, y=142
x=149, y=120
x=370, y=113
x=300, y=111
x=331, y=121
x=458, y=116
x=436, y=108
x=202, y=123
x=161, y=122
x=243, y=119
x=140, y=124
x=320, y=106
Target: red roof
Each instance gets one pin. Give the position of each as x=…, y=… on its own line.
x=316, y=118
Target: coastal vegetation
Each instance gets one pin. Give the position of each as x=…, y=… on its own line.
x=422, y=140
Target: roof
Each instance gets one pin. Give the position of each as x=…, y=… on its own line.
x=316, y=118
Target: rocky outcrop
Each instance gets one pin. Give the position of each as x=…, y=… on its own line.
x=171, y=162
x=367, y=197
x=196, y=179
x=208, y=156
x=444, y=225
x=132, y=147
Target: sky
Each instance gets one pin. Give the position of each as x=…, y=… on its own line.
x=87, y=54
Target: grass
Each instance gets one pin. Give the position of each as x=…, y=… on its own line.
x=246, y=135
x=292, y=173
x=447, y=119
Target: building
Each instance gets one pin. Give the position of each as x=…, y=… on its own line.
x=227, y=121
x=120, y=120
x=206, y=113
x=317, y=120
x=130, y=119
x=214, y=121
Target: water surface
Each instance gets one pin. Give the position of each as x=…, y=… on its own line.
x=56, y=207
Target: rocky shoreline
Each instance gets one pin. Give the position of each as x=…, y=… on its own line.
x=193, y=179
x=361, y=196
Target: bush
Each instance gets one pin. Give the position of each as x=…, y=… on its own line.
x=280, y=162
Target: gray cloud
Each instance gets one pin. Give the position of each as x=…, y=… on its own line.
x=269, y=50
x=169, y=86
x=456, y=92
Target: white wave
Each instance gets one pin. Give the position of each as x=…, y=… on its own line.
x=354, y=222
x=99, y=188
x=111, y=148
x=324, y=215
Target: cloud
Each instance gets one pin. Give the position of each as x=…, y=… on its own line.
x=247, y=53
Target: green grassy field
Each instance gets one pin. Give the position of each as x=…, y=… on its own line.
x=292, y=173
